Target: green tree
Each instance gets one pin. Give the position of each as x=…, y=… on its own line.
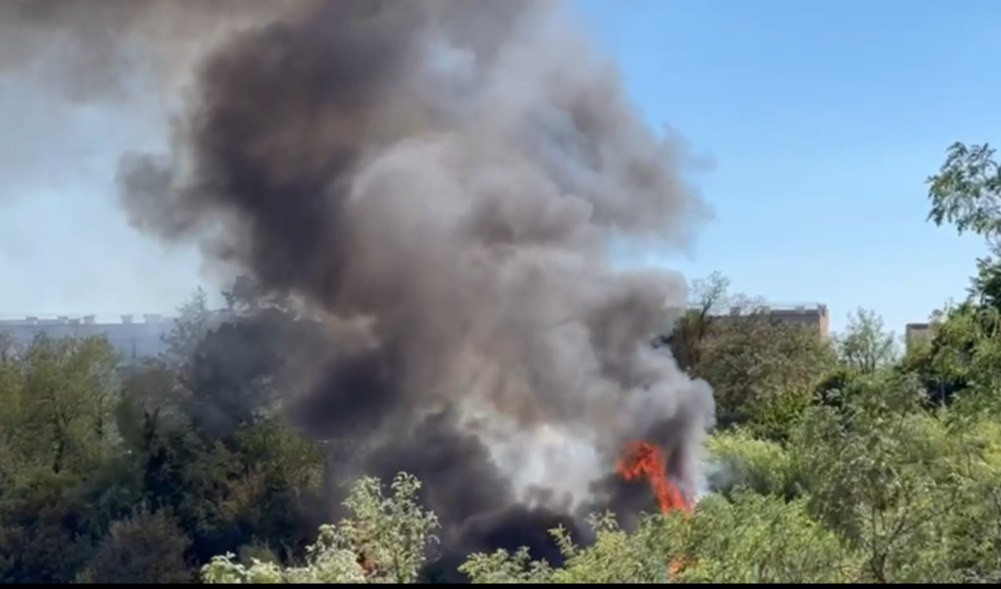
x=866, y=347
x=758, y=539
x=738, y=460
x=868, y=471
x=751, y=539
x=966, y=192
x=58, y=435
x=384, y=540
x=711, y=299
x=145, y=548
x=762, y=371
x=64, y=404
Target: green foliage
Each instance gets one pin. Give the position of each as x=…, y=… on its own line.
x=60, y=403
x=741, y=461
x=960, y=362
x=384, y=540
x=145, y=548
x=502, y=567
x=749, y=539
x=759, y=367
x=865, y=347
x=967, y=190
x=868, y=471
x=104, y=476
x=972, y=467
x=40, y=542
x=761, y=539
x=615, y=557
x=762, y=370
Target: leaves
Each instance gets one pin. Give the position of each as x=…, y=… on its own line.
x=384, y=540
x=967, y=190
x=865, y=347
x=145, y=548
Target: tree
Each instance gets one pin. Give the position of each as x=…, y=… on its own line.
x=57, y=435
x=190, y=328
x=63, y=403
x=868, y=469
x=711, y=301
x=966, y=192
x=777, y=542
x=866, y=347
x=710, y=297
x=738, y=460
x=963, y=356
x=762, y=370
x=751, y=539
x=384, y=540
x=145, y=548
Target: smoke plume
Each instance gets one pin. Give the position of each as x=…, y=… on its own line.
x=442, y=179
x=91, y=50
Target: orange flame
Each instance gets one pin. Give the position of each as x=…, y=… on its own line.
x=645, y=460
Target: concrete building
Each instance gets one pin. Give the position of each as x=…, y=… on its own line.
x=813, y=315
x=916, y=333
x=132, y=339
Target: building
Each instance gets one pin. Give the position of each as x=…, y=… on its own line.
x=916, y=333
x=814, y=315
x=130, y=338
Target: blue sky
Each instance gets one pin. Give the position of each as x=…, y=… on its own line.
x=822, y=120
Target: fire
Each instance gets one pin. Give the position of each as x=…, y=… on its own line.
x=644, y=460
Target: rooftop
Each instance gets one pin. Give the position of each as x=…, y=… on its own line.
x=91, y=319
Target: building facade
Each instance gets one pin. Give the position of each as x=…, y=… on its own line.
x=813, y=315
x=132, y=339
x=916, y=334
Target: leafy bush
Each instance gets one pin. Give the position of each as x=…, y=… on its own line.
x=740, y=460
x=385, y=540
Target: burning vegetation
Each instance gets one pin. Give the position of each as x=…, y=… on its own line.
x=643, y=460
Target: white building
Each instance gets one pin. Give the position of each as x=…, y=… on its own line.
x=132, y=339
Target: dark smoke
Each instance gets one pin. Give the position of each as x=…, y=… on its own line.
x=442, y=179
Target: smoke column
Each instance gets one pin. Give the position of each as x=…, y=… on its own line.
x=441, y=179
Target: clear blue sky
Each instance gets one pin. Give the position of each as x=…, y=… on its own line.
x=822, y=118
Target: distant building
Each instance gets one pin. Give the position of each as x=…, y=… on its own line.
x=916, y=333
x=133, y=340
x=813, y=315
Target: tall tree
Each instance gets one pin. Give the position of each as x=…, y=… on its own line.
x=866, y=347
x=190, y=328
x=762, y=369
x=962, y=356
